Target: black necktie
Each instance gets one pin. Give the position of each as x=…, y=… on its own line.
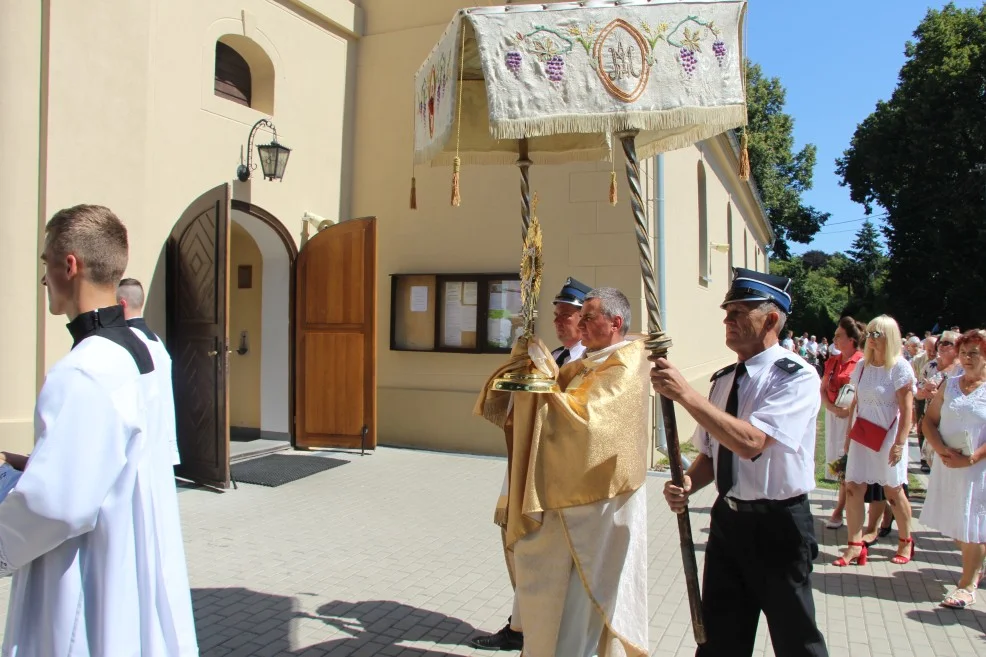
x=562, y=356
x=724, y=472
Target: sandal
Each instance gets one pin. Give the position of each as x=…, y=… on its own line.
x=960, y=599
x=858, y=560
x=900, y=559
x=834, y=524
x=885, y=531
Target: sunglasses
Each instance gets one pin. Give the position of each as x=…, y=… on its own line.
x=946, y=344
x=874, y=334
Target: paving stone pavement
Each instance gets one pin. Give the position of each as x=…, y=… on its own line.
x=395, y=554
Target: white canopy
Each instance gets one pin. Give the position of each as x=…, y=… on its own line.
x=568, y=75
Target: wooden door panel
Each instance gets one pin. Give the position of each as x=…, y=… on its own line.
x=197, y=336
x=335, y=372
x=342, y=355
x=339, y=272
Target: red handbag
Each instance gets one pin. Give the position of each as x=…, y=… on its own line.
x=866, y=433
x=869, y=434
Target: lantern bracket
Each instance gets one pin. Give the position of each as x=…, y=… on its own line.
x=244, y=170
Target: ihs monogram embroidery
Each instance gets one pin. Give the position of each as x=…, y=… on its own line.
x=623, y=65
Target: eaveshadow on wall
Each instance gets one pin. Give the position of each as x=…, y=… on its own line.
x=266, y=620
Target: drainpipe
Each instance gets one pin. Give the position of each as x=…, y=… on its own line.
x=661, y=437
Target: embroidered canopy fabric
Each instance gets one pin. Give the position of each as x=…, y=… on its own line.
x=568, y=75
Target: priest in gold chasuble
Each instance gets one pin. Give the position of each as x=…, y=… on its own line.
x=576, y=511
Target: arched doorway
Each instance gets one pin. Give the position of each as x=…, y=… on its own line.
x=320, y=341
x=261, y=384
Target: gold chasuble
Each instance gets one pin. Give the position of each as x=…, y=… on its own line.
x=582, y=445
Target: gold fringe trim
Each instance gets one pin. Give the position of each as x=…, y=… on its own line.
x=744, y=163
x=683, y=120
x=500, y=514
x=612, y=188
x=414, y=193
x=456, y=195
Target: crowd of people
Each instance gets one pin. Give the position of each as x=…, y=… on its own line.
x=877, y=389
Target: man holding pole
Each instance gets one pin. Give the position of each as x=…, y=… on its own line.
x=576, y=511
x=756, y=436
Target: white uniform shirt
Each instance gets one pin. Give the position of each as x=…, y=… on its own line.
x=575, y=353
x=783, y=404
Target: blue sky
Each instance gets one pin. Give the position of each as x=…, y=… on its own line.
x=836, y=59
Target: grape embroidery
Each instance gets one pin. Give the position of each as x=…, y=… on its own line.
x=688, y=60
x=513, y=62
x=555, y=68
x=719, y=48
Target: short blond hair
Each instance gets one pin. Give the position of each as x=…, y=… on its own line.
x=886, y=325
x=95, y=236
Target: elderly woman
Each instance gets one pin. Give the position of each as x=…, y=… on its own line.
x=877, y=438
x=955, y=426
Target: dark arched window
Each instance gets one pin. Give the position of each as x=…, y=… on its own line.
x=233, y=80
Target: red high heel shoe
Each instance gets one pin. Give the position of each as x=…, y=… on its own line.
x=900, y=559
x=858, y=560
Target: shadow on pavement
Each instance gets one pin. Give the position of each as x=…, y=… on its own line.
x=229, y=619
x=972, y=618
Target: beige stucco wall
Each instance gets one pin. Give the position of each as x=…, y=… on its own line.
x=132, y=123
x=245, y=314
x=425, y=399
x=20, y=107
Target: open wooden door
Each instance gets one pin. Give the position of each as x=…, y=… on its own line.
x=197, y=298
x=335, y=341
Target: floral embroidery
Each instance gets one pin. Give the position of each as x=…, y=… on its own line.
x=432, y=91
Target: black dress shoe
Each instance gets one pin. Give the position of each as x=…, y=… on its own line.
x=505, y=639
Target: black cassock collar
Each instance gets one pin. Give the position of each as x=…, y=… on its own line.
x=139, y=324
x=110, y=323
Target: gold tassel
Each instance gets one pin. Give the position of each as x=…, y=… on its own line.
x=612, y=188
x=744, y=163
x=414, y=193
x=456, y=197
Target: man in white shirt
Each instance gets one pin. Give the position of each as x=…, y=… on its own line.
x=130, y=295
x=90, y=530
x=756, y=436
x=788, y=341
x=568, y=312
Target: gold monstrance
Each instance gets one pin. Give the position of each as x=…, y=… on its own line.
x=531, y=265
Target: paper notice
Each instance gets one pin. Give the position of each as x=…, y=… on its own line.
x=419, y=298
x=470, y=293
x=453, y=325
x=453, y=293
x=468, y=319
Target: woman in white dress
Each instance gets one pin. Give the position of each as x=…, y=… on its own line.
x=955, y=426
x=884, y=397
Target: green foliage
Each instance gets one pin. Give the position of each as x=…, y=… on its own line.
x=915, y=156
x=819, y=299
x=781, y=174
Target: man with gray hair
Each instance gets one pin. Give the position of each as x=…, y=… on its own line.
x=130, y=295
x=576, y=510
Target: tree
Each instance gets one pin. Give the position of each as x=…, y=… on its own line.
x=863, y=273
x=815, y=259
x=818, y=298
x=781, y=174
x=914, y=156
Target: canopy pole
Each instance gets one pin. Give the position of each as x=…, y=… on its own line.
x=524, y=162
x=659, y=344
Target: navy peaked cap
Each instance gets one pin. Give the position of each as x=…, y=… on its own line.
x=749, y=285
x=573, y=292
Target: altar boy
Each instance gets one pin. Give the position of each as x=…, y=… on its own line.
x=88, y=530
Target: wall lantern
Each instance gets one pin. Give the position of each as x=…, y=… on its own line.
x=273, y=156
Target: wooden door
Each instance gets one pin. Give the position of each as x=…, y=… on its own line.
x=198, y=273
x=335, y=340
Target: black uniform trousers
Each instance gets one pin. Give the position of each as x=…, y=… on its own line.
x=760, y=560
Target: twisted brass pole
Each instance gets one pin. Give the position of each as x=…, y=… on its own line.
x=525, y=188
x=659, y=343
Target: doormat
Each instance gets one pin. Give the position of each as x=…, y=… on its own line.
x=278, y=469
